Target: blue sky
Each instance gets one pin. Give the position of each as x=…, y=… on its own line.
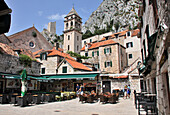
x=25, y=13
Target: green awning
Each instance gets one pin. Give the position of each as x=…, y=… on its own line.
x=39, y=78
x=75, y=76
x=12, y=77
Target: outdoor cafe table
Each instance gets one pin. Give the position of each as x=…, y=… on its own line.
x=3, y=98
x=13, y=98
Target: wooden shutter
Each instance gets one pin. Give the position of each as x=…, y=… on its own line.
x=110, y=50
x=105, y=65
x=92, y=54
x=104, y=50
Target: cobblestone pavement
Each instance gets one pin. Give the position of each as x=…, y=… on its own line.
x=72, y=107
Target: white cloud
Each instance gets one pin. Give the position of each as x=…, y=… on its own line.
x=40, y=13
x=56, y=17
x=84, y=11
x=45, y=26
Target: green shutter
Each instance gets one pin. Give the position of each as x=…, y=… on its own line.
x=104, y=51
x=97, y=53
x=92, y=54
x=110, y=50
x=111, y=63
x=98, y=66
x=105, y=64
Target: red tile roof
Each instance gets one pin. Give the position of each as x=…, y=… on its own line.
x=35, y=53
x=55, y=52
x=121, y=77
x=98, y=44
x=123, y=33
x=135, y=32
x=4, y=48
x=77, y=65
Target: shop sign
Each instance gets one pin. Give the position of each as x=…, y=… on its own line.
x=11, y=83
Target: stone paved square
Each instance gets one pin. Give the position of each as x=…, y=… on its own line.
x=72, y=107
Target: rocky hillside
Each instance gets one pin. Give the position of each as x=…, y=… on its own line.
x=114, y=15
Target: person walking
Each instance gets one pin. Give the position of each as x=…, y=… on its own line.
x=81, y=89
x=128, y=91
x=77, y=89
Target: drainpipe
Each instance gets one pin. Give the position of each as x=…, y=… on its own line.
x=119, y=58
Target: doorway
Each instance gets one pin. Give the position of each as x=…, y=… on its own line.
x=106, y=86
x=1, y=86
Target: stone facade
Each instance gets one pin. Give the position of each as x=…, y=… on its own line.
x=72, y=32
x=30, y=39
x=133, y=50
x=155, y=40
x=117, y=57
x=11, y=64
x=50, y=65
x=4, y=39
x=95, y=38
x=52, y=27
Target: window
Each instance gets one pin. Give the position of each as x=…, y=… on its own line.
x=84, y=42
x=77, y=48
x=107, y=50
x=64, y=70
x=77, y=38
x=66, y=25
x=43, y=56
x=128, y=33
x=68, y=37
x=31, y=44
x=68, y=47
x=71, y=23
x=108, y=64
x=90, y=40
x=129, y=44
x=64, y=62
x=117, y=35
x=86, y=54
x=42, y=70
x=130, y=56
x=96, y=66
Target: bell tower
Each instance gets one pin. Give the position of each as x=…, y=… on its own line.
x=72, y=32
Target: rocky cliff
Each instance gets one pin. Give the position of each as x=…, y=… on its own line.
x=117, y=15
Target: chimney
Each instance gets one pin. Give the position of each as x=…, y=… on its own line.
x=56, y=45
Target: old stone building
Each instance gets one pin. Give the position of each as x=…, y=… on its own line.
x=50, y=60
x=130, y=40
x=72, y=32
x=11, y=67
x=107, y=56
x=30, y=39
x=155, y=43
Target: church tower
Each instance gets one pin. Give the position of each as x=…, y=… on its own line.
x=72, y=32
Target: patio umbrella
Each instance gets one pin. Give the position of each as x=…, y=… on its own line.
x=23, y=82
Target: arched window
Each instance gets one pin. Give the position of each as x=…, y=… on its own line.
x=71, y=23
x=66, y=25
